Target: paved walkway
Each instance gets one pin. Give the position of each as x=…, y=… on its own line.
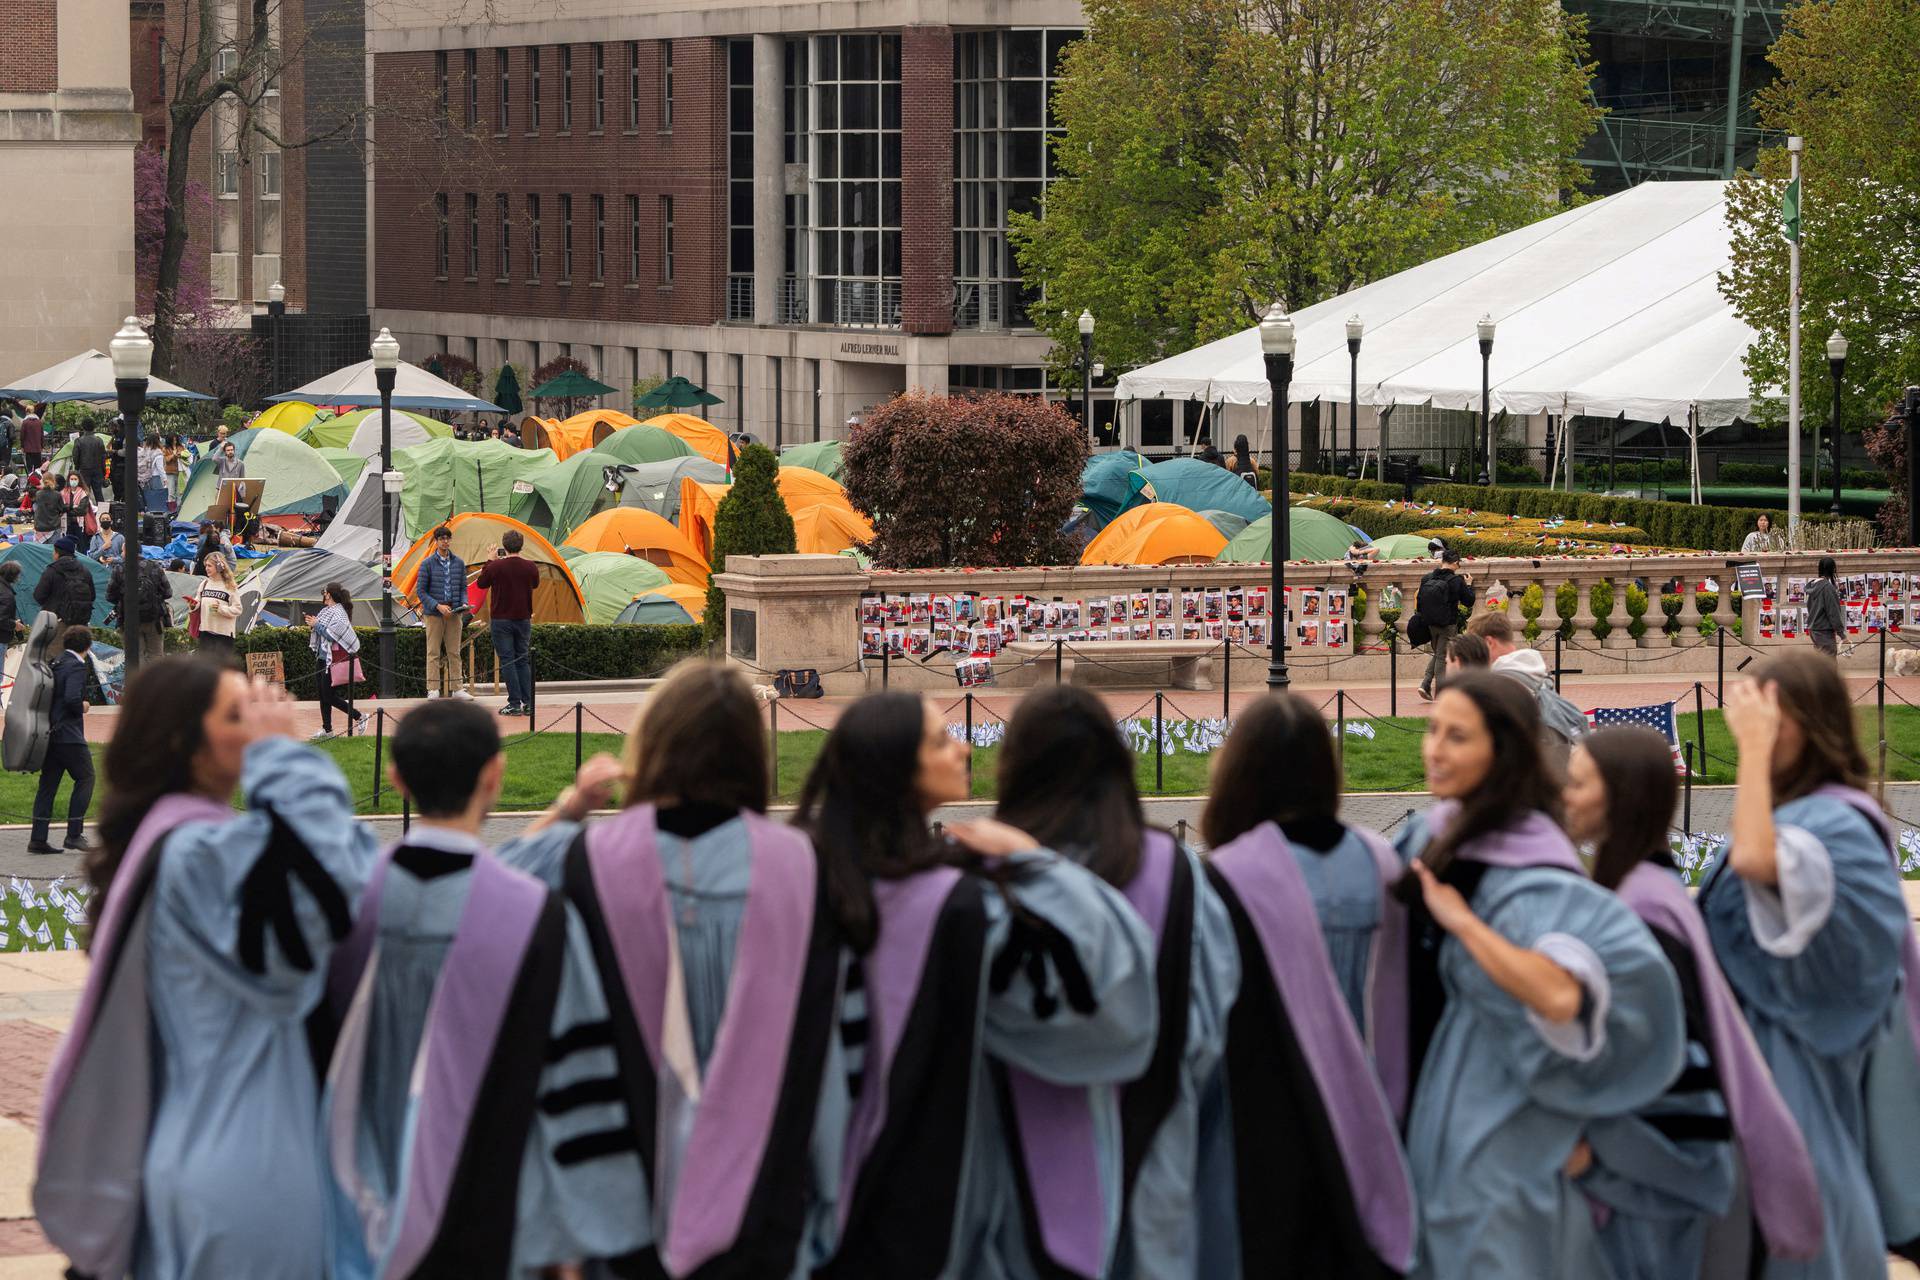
x=38, y=994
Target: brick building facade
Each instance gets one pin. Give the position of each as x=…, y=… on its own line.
x=805, y=221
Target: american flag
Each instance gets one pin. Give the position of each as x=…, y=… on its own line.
x=1658, y=717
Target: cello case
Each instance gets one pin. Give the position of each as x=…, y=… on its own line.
x=24, y=747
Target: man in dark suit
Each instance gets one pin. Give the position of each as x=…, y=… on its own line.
x=67, y=754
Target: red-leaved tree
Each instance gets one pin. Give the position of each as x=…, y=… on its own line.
x=985, y=480
x=1887, y=445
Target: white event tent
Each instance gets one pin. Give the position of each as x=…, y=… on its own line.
x=1608, y=309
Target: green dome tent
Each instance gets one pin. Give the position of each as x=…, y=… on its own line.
x=1311, y=534
x=1103, y=485
x=448, y=477
x=822, y=456
x=33, y=559
x=1227, y=522
x=346, y=464
x=569, y=493
x=654, y=609
x=1197, y=486
x=643, y=444
x=656, y=485
x=409, y=429
x=609, y=580
x=1403, y=546
x=297, y=475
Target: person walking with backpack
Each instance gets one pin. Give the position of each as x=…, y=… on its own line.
x=65, y=586
x=1442, y=593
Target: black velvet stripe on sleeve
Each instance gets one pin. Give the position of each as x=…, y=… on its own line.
x=1296, y=1212
x=579, y=1038
x=266, y=899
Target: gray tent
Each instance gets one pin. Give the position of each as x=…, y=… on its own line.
x=656, y=485
x=299, y=577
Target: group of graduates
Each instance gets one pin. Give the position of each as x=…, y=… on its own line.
x=690, y=1040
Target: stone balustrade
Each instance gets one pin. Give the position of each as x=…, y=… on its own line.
x=804, y=611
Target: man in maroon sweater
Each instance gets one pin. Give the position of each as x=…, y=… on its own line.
x=510, y=580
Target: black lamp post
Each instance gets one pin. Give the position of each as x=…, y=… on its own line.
x=1276, y=345
x=386, y=367
x=1837, y=363
x=1354, y=329
x=1487, y=468
x=1086, y=373
x=132, y=353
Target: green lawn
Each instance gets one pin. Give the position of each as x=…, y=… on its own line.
x=539, y=765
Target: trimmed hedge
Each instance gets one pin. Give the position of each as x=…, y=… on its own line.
x=559, y=652
x=1666, y=524
x=1776, y=473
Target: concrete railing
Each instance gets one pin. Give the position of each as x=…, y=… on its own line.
x=805, y=612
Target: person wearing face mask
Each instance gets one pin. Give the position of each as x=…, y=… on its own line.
x=1668, y=1172
x=974, y=948
x=1066, y=778
x=179, y=1124
x=1804, y=906
x=1537, y=1002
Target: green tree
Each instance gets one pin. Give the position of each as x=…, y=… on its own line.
x=1846, y=85
x=751, y=520
x=1219, y=154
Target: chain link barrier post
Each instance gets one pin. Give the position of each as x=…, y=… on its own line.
x=969, y=726
x=379, y=743
x=1686, y=792
x=1340, y=731
x=406, y=814
x=1059, y=649
x=1700, y=718
x=1226, y=676
x=1159, y=782
x=579, y=713
x=1720, y=665
x=1393, y=669
x=773, y=747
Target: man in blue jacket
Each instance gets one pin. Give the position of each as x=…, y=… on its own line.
x=442, y=588
x=67, y=754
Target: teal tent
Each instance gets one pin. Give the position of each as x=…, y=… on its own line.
x=609, y=581
x=656, y=485
x=822, y=456
x=1197, y=486
x=569, y=493
x=448, y=477
x=642, y=444
x=297, y=476
x=652, y=608
x=1103, y=485
x=33, y=559
x=1311, y=535
x=1227, y=522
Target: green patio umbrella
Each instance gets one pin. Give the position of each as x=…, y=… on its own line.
x=676, y=393
x=506, y=390
x=571, y=385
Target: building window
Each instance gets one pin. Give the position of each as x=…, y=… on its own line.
x=566, y=88
x=533, y=238
x=269, y=167
x=633, y=239
x=473, y=237
x=599, y=87
x=740, y=280
x=566, y=239
x=599, y=239
x=1003, y=81
x=227, y=174
x=666, y=86
x=501, y=114
x=473, y=88
x=533, y=89
x=504, y=250
x=854, y=196
x=633, y=84
x=666, y=239
x=439, y=81
x=440, y=236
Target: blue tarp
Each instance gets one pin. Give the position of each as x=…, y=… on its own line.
x=1103, y=485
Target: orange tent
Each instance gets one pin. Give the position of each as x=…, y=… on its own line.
x=564, y=438
x=800, y=488
x=639, y=532
x=557, y=598
x=707, y=440
x=598, y=425
x=826, y=529
x=1156, y=533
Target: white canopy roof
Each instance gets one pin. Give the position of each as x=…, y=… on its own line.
x=413, y=388
x=1610, y=308
x=87, y=376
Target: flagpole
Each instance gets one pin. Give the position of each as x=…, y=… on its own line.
x=1795, y=146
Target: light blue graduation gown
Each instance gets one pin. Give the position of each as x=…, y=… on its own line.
x=1815, y=961
x=1102, y=1050
x=565, y=1211
x=1503, y=1096
x=233, y=1180
x=706, y=880
x=1345, y=884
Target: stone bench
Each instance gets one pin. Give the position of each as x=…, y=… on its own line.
x=1189, y=663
